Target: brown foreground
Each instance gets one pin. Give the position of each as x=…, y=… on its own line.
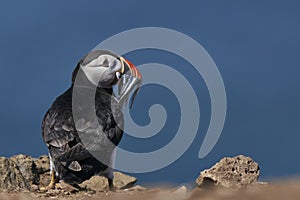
x=23, y=177
x=285, y=190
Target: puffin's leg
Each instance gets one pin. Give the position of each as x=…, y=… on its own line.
x=53, y=179
x=52, y=182
x=111, y=186
x=110, y=172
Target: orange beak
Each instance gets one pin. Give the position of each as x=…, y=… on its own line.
x=130, y=81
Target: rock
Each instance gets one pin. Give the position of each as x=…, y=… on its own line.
x=96, y=183
x=42, y=164
x=234, y=173
x=27, y=167
x=66, y=187
x=43, y=169
x=181, y=191
x=11, y=177
x=99, y=183
x=23, y=172
x=123, y=181
x=34, y=187
x=44, y=179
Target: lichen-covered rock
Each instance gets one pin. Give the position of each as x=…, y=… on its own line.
x=11, y=177
x=99, y=183
x=42, y=164
x=27, y=167
x=235, y=173
x=23, y=172
x=44, y=179
x=43, y=169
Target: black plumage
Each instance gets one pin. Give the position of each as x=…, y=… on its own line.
x=73, y=159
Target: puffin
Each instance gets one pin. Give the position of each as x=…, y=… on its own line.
x=84, y=125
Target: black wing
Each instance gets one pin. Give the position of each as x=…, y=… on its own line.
x=69, y=144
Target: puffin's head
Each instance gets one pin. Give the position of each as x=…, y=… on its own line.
x=105, y=69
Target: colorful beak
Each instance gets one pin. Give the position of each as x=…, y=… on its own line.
x=129, y=81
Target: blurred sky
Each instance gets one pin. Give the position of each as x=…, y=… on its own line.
x=255, y=45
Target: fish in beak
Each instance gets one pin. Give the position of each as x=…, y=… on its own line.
x=129, y=81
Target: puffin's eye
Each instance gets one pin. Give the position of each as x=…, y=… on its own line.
x=105, y=63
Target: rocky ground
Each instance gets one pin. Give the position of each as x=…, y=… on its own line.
x=22, y=177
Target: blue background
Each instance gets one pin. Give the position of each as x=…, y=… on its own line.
x=255, y=45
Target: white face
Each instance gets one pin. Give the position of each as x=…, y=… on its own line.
x=102, y=70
